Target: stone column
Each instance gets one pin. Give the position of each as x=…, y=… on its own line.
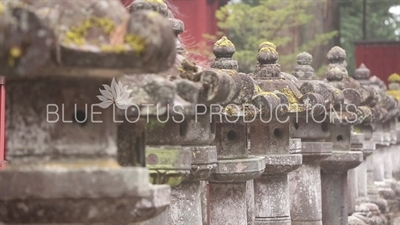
x=356, y=141
x=371, y=96
x=179, y=154
x=273, y=208
x=227, y=184
x=187, y=208
x=167, y=110
x=305, y=182
x=269, y=137
x=334, y=176
x=382, y=159
x=61, y=134
x=335, y=168
x=394, y=90
x=67, y=168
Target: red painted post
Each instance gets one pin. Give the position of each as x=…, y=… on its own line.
x=2, y=122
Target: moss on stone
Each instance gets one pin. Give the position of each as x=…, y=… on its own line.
x=224, y=42
x=164, y=170
x=268, y=49
x=2, y=8
x=153, y=14
x=229, y=72
x=113, y=48
x=394, y=93
x=394, y=78
x=290, y=95
x=137, y=43
x=357, y=130
x=267, y=44
x=154, y=124
x=293, y=102
x=230, y=110
x=259, y=91
x=77, y=34
x=14, y=53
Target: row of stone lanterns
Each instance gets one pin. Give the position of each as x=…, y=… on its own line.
x=271, y=147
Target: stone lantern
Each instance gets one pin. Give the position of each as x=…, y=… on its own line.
x=62, y=137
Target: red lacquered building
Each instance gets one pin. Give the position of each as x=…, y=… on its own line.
x=381, y=57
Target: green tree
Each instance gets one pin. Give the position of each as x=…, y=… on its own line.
x=251, y=22
x=380, y=24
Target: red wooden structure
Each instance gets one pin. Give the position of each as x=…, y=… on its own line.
x=381, y=57
x=2, y=122
x=199, y=18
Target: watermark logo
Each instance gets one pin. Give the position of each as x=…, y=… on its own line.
x=117, y=94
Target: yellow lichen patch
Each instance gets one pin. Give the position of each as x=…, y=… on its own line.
x=113, y=48
x=2, y=8
x=394, y=78
x=394, y=93
x=153, y=14
x=224, y=42
x=229, y=72
x=77, y=35
x=230, y=110
x=357, y=130
x=290, y=95
x=15, y=52
x=293, y=103
x=181, y=70
x=267, y=44
x=137, y=43
x=268, y=49
x=259, y=91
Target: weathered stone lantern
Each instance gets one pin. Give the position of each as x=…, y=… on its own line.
x=179, y=148
x=367, y=197
x=269, y=137
x=62, y=141
x=227, y=184
x=334, y=169
x=394, y=90
x=382, y=158
x=381, y=128
x=305, y=182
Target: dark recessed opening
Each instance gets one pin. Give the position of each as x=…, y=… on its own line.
x=183, y=128
x=296, y=126
x=140, y=149
x=278, y=133
x=324, y=127
x=79, y=117
x=201, y=109
x=232, y=135
x=212, y=127
x=339, y=138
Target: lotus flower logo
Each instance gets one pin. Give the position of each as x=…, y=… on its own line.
x=117, y=94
